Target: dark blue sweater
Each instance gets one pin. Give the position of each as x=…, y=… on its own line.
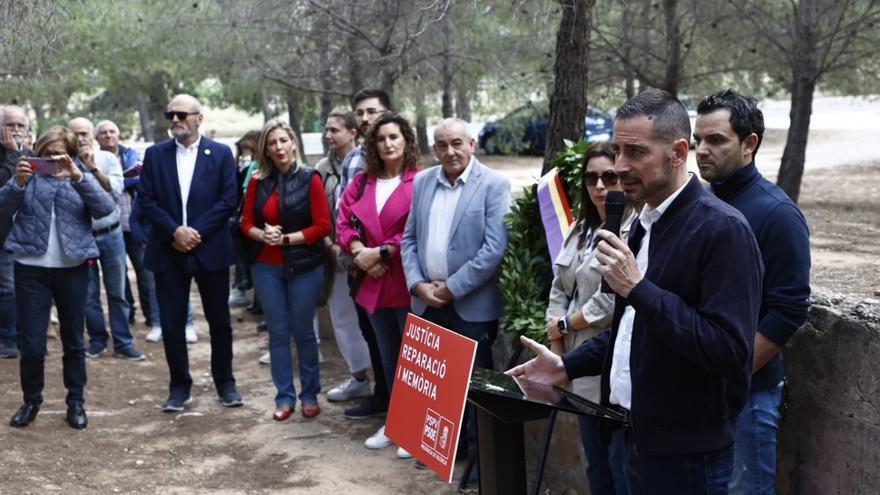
x=784, y=240
x=694, y=328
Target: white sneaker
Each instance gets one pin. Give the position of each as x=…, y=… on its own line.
x=265, y=359
x=191, y=336
x=402, y=454
x=378, y=440
x=349, y=389
x=155, y=334
x=237, y=298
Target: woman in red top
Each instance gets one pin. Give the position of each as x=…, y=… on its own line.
x=372, y=215
x=286, y=211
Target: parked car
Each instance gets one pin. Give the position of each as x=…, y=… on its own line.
x=524, y=130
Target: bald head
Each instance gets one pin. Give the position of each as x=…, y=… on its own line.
x=84, y=131
x=14, y=113
x=188, y=102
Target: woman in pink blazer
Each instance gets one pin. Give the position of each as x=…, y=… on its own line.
x=372, y=214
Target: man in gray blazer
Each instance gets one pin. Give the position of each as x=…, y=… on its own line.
x=454, y=240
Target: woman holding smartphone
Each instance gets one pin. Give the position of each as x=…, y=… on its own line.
x=53, y=203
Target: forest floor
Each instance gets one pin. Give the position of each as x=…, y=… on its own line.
x=130, y=446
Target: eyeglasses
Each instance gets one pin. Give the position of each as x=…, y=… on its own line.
x=608, y=177
x=369, y=111
x=180, y=115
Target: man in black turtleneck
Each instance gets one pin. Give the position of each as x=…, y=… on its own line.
x=728, y=132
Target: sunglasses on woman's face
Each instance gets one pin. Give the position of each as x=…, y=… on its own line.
x=608, y=177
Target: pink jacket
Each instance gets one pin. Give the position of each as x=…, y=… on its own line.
x=390, y=290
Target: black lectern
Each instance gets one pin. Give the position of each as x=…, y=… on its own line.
x=503, y=404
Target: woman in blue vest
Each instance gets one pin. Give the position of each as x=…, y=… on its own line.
x=285, y=212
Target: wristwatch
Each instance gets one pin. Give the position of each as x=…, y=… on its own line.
x=383, y=251
x=562, y=325
x=285, y=240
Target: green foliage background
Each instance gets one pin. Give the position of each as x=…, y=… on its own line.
x=526, y=272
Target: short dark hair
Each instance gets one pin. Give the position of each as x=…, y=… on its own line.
x=365, y=93
x=670, y=117
x=347, y=118
x=412, y=159
x=745, y=116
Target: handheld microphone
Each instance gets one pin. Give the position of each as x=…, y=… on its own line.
x=614, y=205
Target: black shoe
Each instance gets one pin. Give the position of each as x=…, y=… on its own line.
x=76, y=417
x=24, y=415
x=367, y=408
x=8, y=351
x=176, y=404
x=262, y=327
x=230, y=397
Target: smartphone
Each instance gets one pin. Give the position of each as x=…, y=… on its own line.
x=43, y=166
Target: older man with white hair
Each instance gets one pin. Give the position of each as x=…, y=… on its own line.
x=108, y=235
x=14, y=127
x=107, y=134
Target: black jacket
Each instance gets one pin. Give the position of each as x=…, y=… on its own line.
x=694, y=328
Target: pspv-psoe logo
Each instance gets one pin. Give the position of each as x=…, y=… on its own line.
x=437, y=435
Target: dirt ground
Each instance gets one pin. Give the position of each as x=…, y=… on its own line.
x=130, y=446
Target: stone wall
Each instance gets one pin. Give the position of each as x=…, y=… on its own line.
x=829, y=441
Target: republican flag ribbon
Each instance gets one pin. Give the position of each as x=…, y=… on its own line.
x=555, y=212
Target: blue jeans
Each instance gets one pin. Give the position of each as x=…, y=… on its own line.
x=145, y=284
x=289, y=307
x=695, y=474
x=112, y=261
x=36, y=287
x=388, y=324
x=606, y=466
x=754, y=469
x=7, y=300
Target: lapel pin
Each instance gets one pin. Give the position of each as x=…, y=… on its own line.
x=207, y=152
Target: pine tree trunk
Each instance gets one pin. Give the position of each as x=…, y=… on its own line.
x=294, y=113
x=157, y=103
x=447, y=107
x=627, y=43
x=144, y=117
x=422, y=125
x=462, y=102
x=674, y=63
x=804, y=77
x=264, y=106
x=569, y=98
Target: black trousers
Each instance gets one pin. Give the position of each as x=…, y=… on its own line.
x=35, y=288
x=172, y=291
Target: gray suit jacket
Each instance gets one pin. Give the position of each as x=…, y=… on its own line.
x=477, y=241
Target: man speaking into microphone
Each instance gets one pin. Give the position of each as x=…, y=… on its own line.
x=678, y=357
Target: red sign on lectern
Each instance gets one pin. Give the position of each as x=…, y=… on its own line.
x=429, y=393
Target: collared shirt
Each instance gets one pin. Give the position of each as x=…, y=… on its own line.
x=440, y=223
x=351, y=165
x=620, y=378
x=186, y=166
x=109, y=165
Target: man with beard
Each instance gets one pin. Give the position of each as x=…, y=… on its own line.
x=14, y=127
x=187, y=193
x=728, y=133
x=678, y=357
x=368, y=105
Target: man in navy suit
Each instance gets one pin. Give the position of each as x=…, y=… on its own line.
x=188, y=192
